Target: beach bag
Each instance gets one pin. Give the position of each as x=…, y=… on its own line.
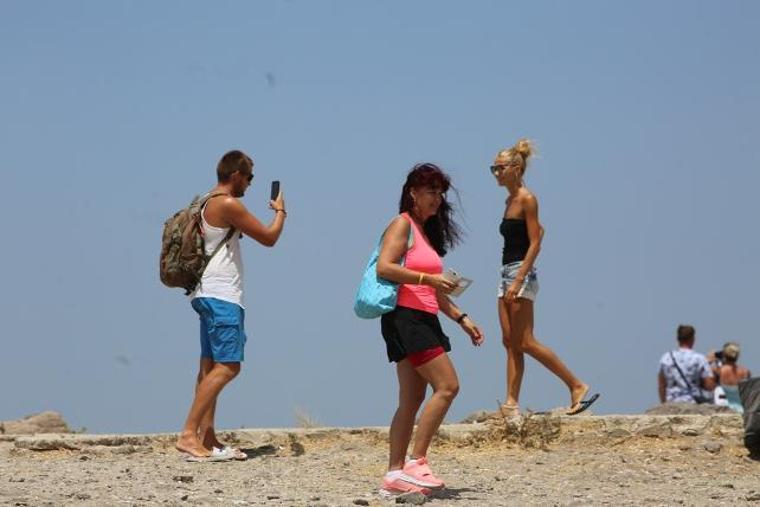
x=183, y=251
x=376, y=295
x=749, y=391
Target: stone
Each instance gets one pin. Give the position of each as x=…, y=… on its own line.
x=361, y=501
x=713, y=447
x=46, y=443
x=657, y=430
x=476, y=417
x=44, y=422
x=618, y=433
x=678, y=408
x=412, y=498
x=753, y=497
x=183, y=478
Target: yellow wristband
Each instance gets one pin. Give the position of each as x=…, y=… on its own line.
x=422, y=275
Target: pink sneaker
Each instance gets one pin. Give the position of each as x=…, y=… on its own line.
x=418, y=472
x=399, y=486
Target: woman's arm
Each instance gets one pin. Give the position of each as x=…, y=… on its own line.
x=393, y=248
x=535, y=235
x=452, y=311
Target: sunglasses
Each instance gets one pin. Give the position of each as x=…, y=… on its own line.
x=495, y=169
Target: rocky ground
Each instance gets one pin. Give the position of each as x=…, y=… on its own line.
x=534, y=460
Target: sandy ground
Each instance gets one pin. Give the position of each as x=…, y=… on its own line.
x=645, y=460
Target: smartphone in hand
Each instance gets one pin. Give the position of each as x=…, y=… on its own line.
x=275, y=190
x=461, y=282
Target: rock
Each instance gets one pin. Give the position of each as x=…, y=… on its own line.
x=361, y=501
x=690, y=432
x=412, y=498
x=45, y=443
x=476, y=417
x=713, y=447
x=618, y=433
x=657, y=430
x=673, y=408
x=753, y=497
x=183, y=478
x=44, y=422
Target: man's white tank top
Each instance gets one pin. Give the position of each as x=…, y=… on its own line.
x=223, y=277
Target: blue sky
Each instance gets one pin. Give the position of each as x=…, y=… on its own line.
x=114, y=115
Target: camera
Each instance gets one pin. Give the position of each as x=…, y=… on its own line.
x=719, y=355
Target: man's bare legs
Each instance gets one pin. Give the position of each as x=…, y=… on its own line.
x=413, y=382
x=519, y=340
x=206, y=393
x=206, y=432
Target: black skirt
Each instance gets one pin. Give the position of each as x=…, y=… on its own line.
x=406, y=331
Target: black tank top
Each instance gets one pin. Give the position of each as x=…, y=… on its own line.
x=516, y=241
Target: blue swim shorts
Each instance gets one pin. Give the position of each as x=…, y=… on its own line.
x=529, y=289
x=222, y=330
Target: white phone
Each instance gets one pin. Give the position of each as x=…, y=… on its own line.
x=461, y=282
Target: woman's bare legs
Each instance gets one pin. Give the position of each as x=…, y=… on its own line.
x=413, y=382
x=515, y=357
x=411, y=395
x=520, y=313
x=440, y=374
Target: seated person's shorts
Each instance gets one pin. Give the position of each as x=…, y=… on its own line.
x=222, y=330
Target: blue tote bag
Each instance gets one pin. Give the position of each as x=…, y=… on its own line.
x=376, y=295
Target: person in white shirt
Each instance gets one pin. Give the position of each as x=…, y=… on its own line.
x=218, y=299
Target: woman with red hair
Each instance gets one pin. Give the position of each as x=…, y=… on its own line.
x=410, y=255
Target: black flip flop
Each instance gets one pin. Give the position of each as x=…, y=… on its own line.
x=583, y=405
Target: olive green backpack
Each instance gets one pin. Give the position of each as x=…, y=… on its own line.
x=183, y=251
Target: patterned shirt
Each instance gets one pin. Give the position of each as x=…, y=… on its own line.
x=693, y=365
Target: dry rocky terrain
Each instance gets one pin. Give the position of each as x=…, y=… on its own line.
x=533, y=460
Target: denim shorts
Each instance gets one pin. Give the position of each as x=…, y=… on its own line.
x=222, y=329
x=529, y=289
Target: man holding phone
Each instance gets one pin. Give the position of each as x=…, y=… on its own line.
x=218, y=298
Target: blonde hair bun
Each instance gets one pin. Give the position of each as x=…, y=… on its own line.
x=525, y=148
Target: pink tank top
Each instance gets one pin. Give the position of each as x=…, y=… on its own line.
x=423, y=258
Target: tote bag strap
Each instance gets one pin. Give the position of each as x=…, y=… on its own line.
x=409, y=241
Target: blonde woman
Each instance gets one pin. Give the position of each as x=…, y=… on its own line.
x=518, y=287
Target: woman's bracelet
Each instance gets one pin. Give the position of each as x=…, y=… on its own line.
x=422, y=276
x=278, y=210
x=461, y=318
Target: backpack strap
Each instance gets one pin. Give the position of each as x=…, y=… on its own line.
x=222, y=243
x=229, y=234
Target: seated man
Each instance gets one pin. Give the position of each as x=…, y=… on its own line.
x=684, y=373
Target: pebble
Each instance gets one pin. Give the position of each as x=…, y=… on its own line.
x=412, y=498
x=361, y=501
x=713, y=447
